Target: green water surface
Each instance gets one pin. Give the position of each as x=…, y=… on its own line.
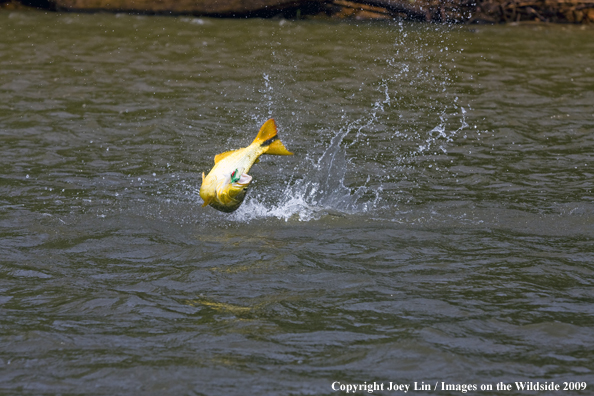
x=434, y=225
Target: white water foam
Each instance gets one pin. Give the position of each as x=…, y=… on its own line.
x=319, y=191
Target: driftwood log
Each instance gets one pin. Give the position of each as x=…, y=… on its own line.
x=445, y=11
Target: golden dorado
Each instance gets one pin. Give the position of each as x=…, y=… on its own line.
x=226, y=184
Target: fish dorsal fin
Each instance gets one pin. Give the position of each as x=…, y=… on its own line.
x=267, y=132
x=221, y=156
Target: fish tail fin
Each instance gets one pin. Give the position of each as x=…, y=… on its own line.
x=268, y=137
x=266, y=133
x=278, y=148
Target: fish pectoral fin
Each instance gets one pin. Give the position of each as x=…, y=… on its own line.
x=221, y=156
x=207, y=201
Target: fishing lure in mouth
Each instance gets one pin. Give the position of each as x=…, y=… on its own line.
x=225, y=186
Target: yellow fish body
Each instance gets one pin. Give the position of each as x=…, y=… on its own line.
x=227, y=182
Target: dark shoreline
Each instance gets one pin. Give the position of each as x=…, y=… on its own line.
x=437, y=11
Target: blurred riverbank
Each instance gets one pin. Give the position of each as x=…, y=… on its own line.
x=440, y=11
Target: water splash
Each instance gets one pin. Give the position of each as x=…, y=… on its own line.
x=316, y=189
x=439, y=136
x=267, y=92
x=408, y=124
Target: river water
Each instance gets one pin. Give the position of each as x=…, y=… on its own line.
x=434, y=225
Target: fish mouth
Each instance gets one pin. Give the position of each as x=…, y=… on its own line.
x=244, y=180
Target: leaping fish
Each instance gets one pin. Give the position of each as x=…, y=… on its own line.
x=226, y=184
